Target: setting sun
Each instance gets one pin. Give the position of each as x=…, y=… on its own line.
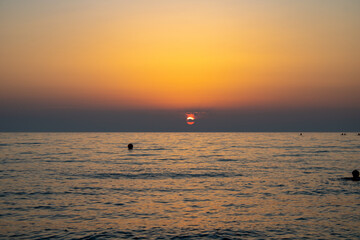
x=190, y=118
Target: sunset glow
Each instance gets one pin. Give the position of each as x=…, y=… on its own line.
x=179, y=54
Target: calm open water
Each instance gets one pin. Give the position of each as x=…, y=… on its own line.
x=179, y=186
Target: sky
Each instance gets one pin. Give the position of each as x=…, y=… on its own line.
x=140, y=65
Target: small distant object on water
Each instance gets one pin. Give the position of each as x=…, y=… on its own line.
x=130, y=146
x=300, y=134
x=343, y=134
x=355, y=176
x=358, y=134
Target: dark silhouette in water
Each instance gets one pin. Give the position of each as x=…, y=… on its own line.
x=355, y=177
x=300, y=134
x=343, y=134
x=130, y=146
x=355, y=174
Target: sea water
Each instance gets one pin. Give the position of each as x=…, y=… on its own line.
x=179, y=186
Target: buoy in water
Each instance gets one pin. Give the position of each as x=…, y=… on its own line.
x=130, y=146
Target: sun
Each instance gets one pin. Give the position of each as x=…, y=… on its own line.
x=190, y=118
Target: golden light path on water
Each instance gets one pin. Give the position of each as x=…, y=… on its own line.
x=194, y=185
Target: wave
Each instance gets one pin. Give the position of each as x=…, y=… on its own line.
x=227, y=160
x=29, y=143
x=163, y=175
x=152, y=233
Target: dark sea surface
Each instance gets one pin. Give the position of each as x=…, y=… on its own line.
x=179, y=186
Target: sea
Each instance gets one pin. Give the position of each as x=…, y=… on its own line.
x=179, y=186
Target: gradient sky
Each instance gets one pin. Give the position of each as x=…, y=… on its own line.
x=168, y=55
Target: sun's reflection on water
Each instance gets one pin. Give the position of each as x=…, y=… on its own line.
x=175, y=181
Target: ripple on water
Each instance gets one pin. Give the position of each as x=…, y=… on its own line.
x=201, y=186
x=152, y=233
x=227, y=160
x=163, y=175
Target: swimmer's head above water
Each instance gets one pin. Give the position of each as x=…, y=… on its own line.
x=355, y=174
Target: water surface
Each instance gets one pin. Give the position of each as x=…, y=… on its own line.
x=179, y=186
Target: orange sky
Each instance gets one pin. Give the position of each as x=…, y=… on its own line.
x=180, y=54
